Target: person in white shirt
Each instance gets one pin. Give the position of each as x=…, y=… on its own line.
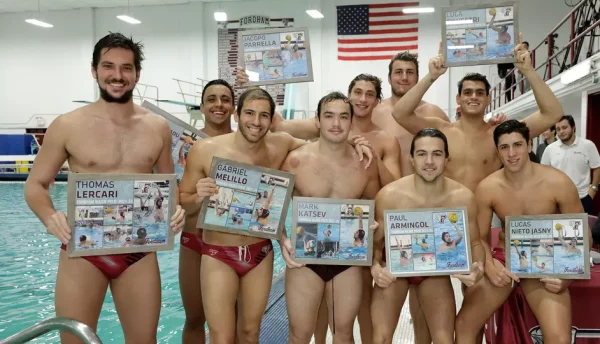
x=575, y=156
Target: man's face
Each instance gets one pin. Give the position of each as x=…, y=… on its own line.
x=116, y=75
x=564, y=130
x=363, y=97
x=513, y=151
x=255, y=119
x=548, y=134
x=473, y=98
x=217, y=104
x=447, y=238
x=403, y=77
x=429, y=158
x=334, y=122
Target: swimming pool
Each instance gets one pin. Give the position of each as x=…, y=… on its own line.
x=28, y=265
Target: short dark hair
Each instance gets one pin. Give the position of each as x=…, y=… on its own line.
x=553, y=128
x=118, y=40
x=404, y=56
x=509, y=127
x=218, y=82
x=429, y=132
x=569, y=119
x=255, y=94
x=525, y=42
x=369, y=78
x=333, y=96
x=475, y=77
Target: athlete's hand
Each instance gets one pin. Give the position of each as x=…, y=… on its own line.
x=498, y=275
x=241, y=78
x=555, y=285
x=287, y=251
x=523, y=57
x=473, y=277
x=178, y=219
x=382, y=277
x=498, y=118
x=372, y=227
x=205, y=187
x=437, y=65
x=58, y=226
x=363, y=147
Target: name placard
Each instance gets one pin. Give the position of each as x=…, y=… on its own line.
x=427, y=242
x=120, y=213
x=275, y=56
x=480, y=34
x=548, y=246
x=332, y=231
x=250, y=200
x=183, y=137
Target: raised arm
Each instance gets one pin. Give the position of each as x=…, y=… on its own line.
x=550, y=111
x=404, y=110
x=305, y=129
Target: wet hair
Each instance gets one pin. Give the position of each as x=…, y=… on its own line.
x=404, y=254
x=118, y=40
x=82, y=238
x=569, y=119
x=331, y=97
x=553, y=128
x=361, y=234
x=404, y=56
x=429, y=132
x=523, y=254
x=369, y=78
x=509, y=127
x=443, y=235
x=255, y=94
x=141, y=232
x=215, y=83
x=475, y=77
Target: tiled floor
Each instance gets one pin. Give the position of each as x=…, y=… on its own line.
x=404, y=331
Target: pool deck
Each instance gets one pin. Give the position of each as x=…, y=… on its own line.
x=275, y=325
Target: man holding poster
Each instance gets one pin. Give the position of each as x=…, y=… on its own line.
x=426, y=188
x=327, y=168
x=236, y=265
x=520, y=188
x=112, y=135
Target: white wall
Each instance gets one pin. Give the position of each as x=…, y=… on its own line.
x=45, y=69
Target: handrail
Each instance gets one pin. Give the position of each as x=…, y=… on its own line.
x=82, y=331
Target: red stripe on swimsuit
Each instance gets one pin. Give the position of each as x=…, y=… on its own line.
x=113, y=265
x=240, y=258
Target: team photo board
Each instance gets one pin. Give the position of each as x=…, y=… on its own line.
x=427, y=242
x=275, y=56
x=548, y=246
x=183, y=137
x=120, y=213
x=250, y=200
x=332, y=231
x=482, y=34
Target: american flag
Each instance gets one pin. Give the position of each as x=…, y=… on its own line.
x=376, y=31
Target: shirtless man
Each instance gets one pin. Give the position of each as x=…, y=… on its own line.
x=112, y=135
x=520, y=188
x=426, y=188
x=217, y=106
x=327, y=168
x=472, y=147
x=223, y=278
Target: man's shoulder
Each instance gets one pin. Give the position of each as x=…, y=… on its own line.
x=459, y=190
x=426, y=109
x=490, y=182
x=398, y=188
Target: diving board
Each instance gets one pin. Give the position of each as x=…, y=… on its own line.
x=176, y=102
x=82, y=101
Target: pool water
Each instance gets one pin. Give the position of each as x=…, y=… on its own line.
x=496, y=50
x=568, y=262
x=29, y=262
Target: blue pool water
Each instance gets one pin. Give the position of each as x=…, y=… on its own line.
x=295, y=68
x=395, y=261
x=570, y=261
x=28, y=266
x=454, y=259
x=515, y=264
x=495, y=50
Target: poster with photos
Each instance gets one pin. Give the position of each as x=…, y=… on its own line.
x=427, y=242
x=275, y=56
x=120, y=213
x=482, y=34
x=548, y=246
x=250, y=200
x=183, y=137
x=332, y=231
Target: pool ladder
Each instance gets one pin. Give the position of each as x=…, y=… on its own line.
x=82, y=331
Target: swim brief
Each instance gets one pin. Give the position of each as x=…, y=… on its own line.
x=113, y=265
x=411, y=280
x=241, y=258
x=192, y=241
x=328, y=272
x=499, y=254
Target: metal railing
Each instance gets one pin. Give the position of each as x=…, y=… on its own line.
x=584, y=18
x=82, y=331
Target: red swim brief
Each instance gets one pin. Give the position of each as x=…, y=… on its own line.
x=241, y=258
x=113, y=265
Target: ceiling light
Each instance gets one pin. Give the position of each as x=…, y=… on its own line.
x=220, y=16
x=418, y=10
x=315, y=14
x=38, y=23
x=129, y=19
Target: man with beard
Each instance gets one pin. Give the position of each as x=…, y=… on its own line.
x=235, y=266
x=112, y=136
